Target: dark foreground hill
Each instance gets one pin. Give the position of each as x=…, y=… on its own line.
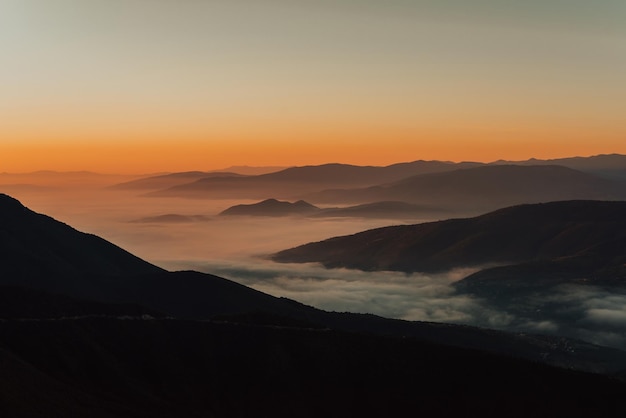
x=108, y=367
x=83, y=338
x=32, y=245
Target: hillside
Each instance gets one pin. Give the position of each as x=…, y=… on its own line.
x=33, y=244
x=507, y=236
x=78, y=341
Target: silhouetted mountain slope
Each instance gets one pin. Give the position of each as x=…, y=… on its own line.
x=487, y=187
x=169, y=180
x=507, y=236
x=33, y=244
x=272, y=207
x=38, y=252
x=125, y=364
x=295, y=181
x=173, y=368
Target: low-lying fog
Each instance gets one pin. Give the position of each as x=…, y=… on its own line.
x=233, y=247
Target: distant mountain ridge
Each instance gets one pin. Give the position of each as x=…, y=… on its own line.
x=295, y=181
x=271, y=207
x=486, y=187
x=419, y=182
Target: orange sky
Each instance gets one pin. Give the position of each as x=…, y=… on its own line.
x=122, y=87
x=185, y=155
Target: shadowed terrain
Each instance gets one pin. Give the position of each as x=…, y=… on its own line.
x=87, y=329
x=585, y=233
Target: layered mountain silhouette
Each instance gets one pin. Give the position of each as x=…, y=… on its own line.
x=368, y=184
x=271, y=207
x=295, y=181
x=87, y=329
x=486, y=187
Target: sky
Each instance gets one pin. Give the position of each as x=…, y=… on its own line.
x=132, y=86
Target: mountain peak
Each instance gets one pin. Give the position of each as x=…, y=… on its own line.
x=10, y=206
x=36, y=246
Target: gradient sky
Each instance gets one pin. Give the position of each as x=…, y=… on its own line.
x=154, y=85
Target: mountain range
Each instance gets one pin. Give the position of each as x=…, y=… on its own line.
x=295, y=181
x=88, y=329
x=486, y=187
x=466, y=188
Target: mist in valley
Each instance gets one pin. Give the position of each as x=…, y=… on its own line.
x=237, y=248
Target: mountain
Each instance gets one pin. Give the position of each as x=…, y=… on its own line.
x=295, y=181
x=168, y=180
x=271, y=207
x=316, y=178
x=392, y=210
x=33, y=244
x=557, y=267
x=486, y=188
x=82, y=336
x=549, y=231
